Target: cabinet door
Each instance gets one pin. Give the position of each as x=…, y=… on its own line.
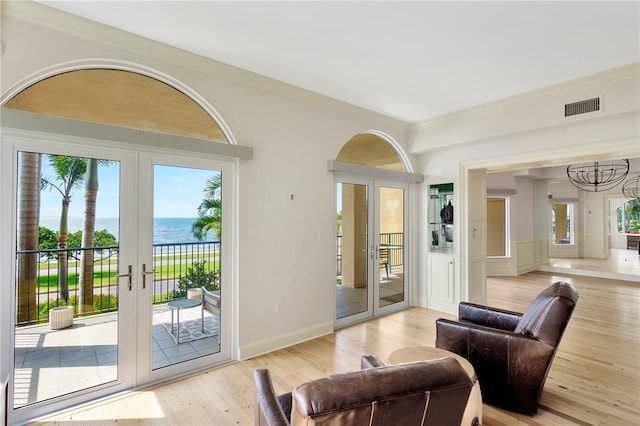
x=441, y=278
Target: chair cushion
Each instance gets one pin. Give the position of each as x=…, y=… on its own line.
x=547, y=316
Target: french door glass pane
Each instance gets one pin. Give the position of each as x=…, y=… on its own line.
x=66, y=306
x=186, y=257
x=391, y=246
x=352, y=251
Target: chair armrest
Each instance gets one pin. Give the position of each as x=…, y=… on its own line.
x=370, y=361
x=465, y=339
x=488, y=317
x=211, y=301
x=511, y=367
x=453, y=336
x=269, y=412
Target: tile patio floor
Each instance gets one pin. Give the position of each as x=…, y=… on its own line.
x=50, y=363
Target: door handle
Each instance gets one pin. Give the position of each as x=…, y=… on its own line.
x=144, y=274
x=126, y=275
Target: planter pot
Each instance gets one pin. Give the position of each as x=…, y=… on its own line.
x=60, y=317
x=194, y=293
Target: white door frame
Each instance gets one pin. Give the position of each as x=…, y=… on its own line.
x=142, y=143
x=373, y=231
x=145, y=373
x=11, y=145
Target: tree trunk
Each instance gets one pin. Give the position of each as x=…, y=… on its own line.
x=85, y=304
x=27, y=229
x=63, y=255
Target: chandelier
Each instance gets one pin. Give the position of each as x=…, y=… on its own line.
x=599, y=175
x=630, y=188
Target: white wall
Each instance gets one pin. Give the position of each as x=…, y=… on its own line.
x=293, y=134
x=530, y=115
x=530, y=131
x=541, y=222
x=524, y=236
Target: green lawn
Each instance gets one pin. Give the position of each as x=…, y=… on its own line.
x=170, y=271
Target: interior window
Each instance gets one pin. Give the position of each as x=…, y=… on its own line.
x=562, y=223
x=628, y=216
x=497, y=226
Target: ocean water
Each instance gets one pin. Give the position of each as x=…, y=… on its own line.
x=165, y=230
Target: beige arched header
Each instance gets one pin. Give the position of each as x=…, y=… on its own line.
x=371, y=150
x=119, y=98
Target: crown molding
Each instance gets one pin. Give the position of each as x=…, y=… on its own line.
x=629, y=71
x=47, y=17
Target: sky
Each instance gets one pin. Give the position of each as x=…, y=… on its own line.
x=178, y=192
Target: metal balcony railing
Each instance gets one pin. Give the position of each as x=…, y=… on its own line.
x=393, y=241
x=36, y=294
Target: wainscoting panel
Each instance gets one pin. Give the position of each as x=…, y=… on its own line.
x=541, y=251
x=525, y=250
x=501, y=266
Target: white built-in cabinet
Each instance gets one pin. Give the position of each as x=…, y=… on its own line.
x=442, y=262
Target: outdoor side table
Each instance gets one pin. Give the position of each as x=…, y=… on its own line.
x=176, y=305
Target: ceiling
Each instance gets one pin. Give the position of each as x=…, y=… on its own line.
x=408, y=60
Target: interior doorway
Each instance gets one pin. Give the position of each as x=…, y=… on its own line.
x=474, y=171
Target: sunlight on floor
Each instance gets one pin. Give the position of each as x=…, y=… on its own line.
x=141, y=405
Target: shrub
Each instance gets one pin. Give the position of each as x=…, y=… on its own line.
x=198, y=276
x=105, y=302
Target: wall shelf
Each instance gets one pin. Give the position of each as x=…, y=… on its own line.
x=440, y=218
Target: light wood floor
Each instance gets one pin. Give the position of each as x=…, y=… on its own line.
x=621, y=264
x=594, y=380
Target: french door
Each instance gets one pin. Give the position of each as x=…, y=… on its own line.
x=371, y=259
x=91, y=316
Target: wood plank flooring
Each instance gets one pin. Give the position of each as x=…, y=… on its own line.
x=594, y=380
x=621, y=262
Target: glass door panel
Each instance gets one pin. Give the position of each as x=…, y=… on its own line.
x=391, y=285
x=370, y=225
x=186, y=271
x=353, y=296
x=67, y=308
x=85, y=313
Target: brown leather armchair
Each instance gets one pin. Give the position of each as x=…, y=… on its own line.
x=511, y=352
x=421, y=393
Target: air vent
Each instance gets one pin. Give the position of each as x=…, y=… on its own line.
x=582, y=107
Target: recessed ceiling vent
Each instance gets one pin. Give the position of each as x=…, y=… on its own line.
x=582, y=107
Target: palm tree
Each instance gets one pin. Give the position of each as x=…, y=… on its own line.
x=85, y=304
x=70, y=173
x=209, y=211
x=29, y=169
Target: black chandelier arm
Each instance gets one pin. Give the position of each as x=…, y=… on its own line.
x=631, y=188
x=597, y=176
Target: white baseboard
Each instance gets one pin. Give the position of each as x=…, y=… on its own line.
x=589, y=273
x=284, y=340
x=446, y=307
